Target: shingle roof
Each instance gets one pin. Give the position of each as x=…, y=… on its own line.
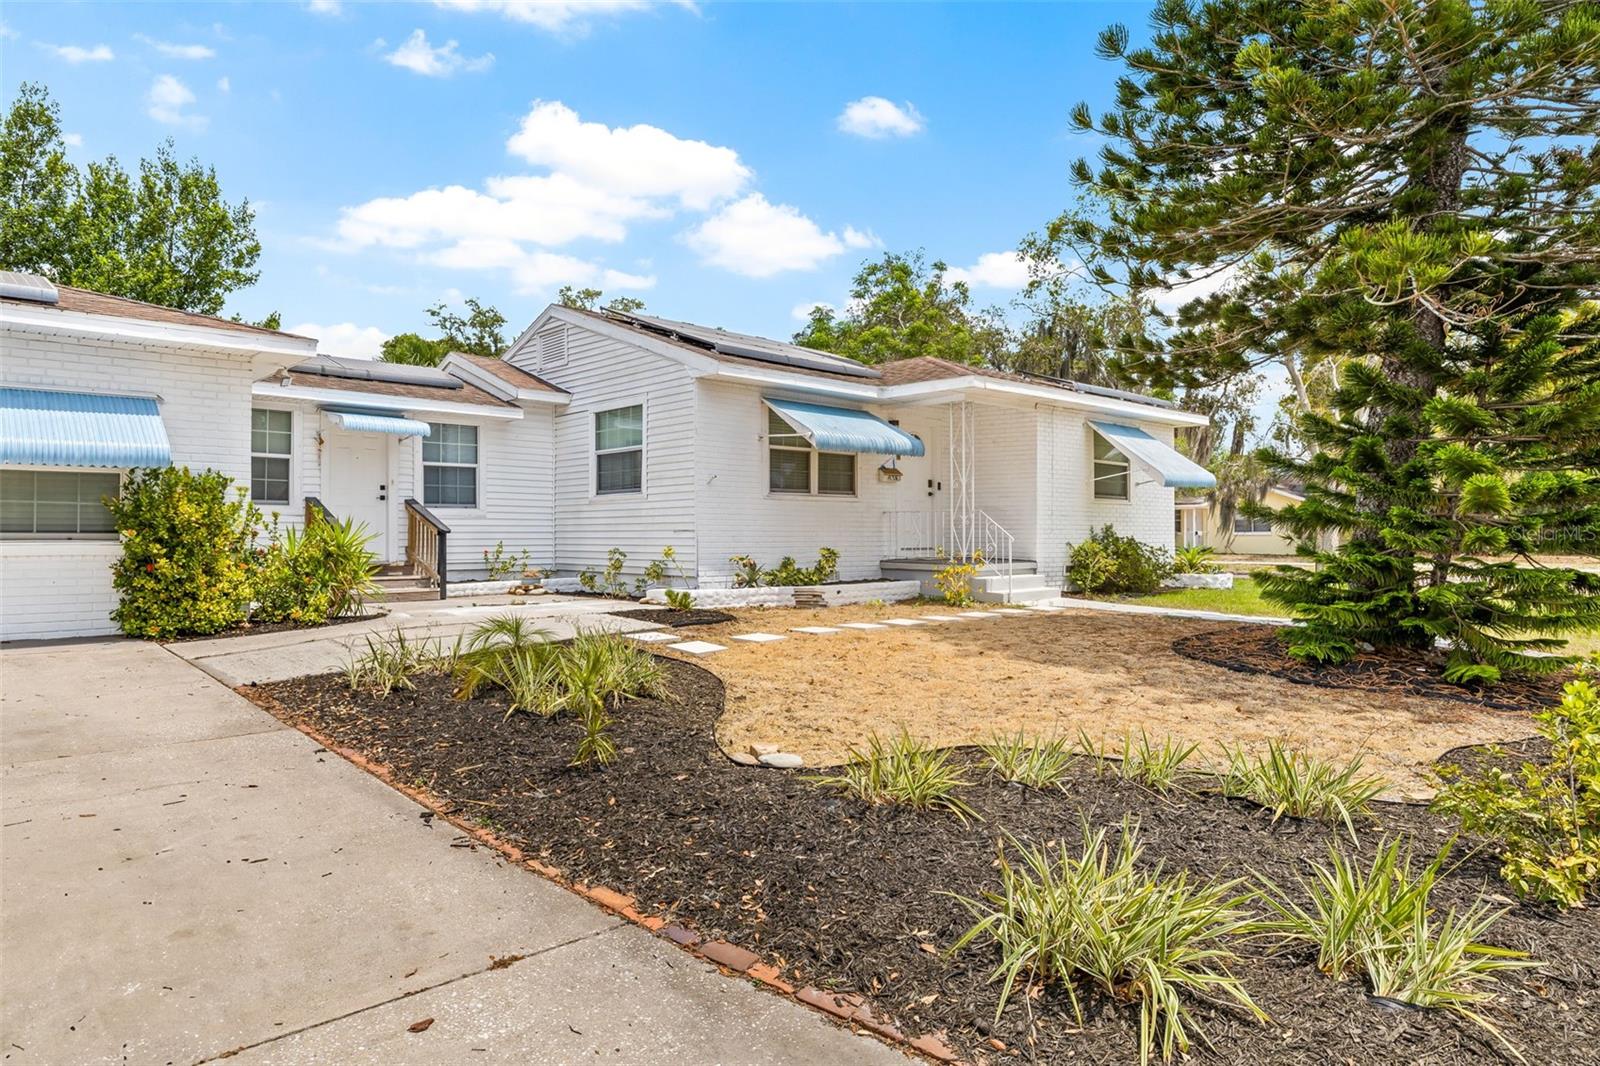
x=468, y=393
x=510, y=373
x=85, y=301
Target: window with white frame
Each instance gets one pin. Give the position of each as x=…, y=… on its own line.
x=1243, y=523
x=794, y=466
x=450, y=465
x=1110, y=471
x=271, y=445
x=619, y=450
x=57, y=503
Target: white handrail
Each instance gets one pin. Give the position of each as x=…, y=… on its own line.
x=998, y=545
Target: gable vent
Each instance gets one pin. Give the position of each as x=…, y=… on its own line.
x=552, y=347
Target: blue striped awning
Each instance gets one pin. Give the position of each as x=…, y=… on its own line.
x=40, y=427
x=374, y=422
x=840, y=429
x=1175, y=470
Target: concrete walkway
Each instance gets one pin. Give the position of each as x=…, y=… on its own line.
x=181, y=876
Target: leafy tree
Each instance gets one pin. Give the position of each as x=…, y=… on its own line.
x=1410, y=187
x=478, y=332
x=901, y=307
x=1066, y=336
x=164, y=235
x=589, y=300
x=414, y=349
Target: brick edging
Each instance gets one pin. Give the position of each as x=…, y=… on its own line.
x=845, y=1008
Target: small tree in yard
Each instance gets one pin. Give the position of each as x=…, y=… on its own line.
x=1409, y=187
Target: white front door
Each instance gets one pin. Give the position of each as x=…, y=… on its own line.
x=918, y=499
x=358, y=483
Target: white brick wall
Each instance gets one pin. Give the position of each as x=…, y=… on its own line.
x=58, y=588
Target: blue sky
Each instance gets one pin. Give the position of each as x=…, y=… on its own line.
x=727, y=163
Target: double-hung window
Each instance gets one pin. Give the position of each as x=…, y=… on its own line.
x=794, y=466
x=450, y=465
x=57, y=503
x=619, y=450
x=1110, y=471
x=1249, y=524
x=271, y=444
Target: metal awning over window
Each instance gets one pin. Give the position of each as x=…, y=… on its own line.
x=40, y=427
x=840, y=429
x=378, y=422
x=1175, y=470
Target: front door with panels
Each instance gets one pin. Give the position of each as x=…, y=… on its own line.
x=358, y=483
x=920, y=493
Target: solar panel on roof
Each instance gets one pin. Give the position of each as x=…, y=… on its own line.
x=760, y=349
x=16, y=285
x=329, y=366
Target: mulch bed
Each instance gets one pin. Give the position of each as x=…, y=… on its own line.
x=1258, y=649
x=678, y=619
x=855, y=898
x=250, y=629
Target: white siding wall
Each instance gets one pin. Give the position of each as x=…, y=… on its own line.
x=1068, y=510
x=1006, y=457
x=740, y=517
x=63, y=587
x=602, y=374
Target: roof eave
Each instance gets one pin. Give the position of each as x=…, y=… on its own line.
x=285, y=348
x=927, y=390
x=270, y=390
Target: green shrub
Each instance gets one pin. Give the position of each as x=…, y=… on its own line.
x=1301, y=785
x=679, y=599
x=392, y=662
x=486, y=656
x=310, y=576
x=902, y=771
x=955, y=579
x=609, y=581
x=1380, y=923
x=748, y=573
x=501, y=563
x=1035, y=763
x=1195, y=559
x=1111, y=562
x=1158, y=767
x=1544, y=819
x=1096, y=917
x=188, y=552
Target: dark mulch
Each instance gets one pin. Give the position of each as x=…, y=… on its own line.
x=250, y=629
x=677, y=619
x=853, y=898
x=1258, y=649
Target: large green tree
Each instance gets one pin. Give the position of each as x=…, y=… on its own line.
x=164, y=235
x=1409, y=187
x=900, y=307
x=478, y=332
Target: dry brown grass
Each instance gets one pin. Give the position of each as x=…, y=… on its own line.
x=1107, y=674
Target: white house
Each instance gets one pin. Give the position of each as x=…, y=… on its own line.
x=595, y=431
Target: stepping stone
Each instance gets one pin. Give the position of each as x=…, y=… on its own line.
x=782, y=760
x=903, y=622
x=759, y=638
x=862, y=625
x=696, y=647
x=977, y=614
x=941, y=618
x=1011, y=610
x=1045, y=607
x=814, y=629
x=653, y=637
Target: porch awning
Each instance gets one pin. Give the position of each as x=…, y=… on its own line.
x=1175, y=470
x=840, y=429
x=378, y=422
x=40, y=427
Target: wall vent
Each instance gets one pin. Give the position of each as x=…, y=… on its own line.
x=552, y=347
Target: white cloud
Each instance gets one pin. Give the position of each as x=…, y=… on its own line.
x=759, y=239
x=177, y=51
x=7, y=33
x=993, y=270
x=72, y=140
x=420, y=57
x=566, y=17
x=325, y=7
x=344, y=338
x=629, y=160
x=75, y=54
x=535, y=270
x=877, y=118
x=224, y=85
x=168, y=100
x=1205, y=282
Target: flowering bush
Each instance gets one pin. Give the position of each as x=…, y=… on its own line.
x=188, y=552
x=307, y=577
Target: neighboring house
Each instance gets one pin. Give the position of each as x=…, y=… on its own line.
x=597, y=431
x=1202, y=521
x=721, y=444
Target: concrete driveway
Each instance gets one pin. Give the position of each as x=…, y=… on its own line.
x=182, y=877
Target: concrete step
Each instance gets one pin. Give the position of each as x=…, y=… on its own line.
x=1023, y=587
x=991, y=581
x=409, y=594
